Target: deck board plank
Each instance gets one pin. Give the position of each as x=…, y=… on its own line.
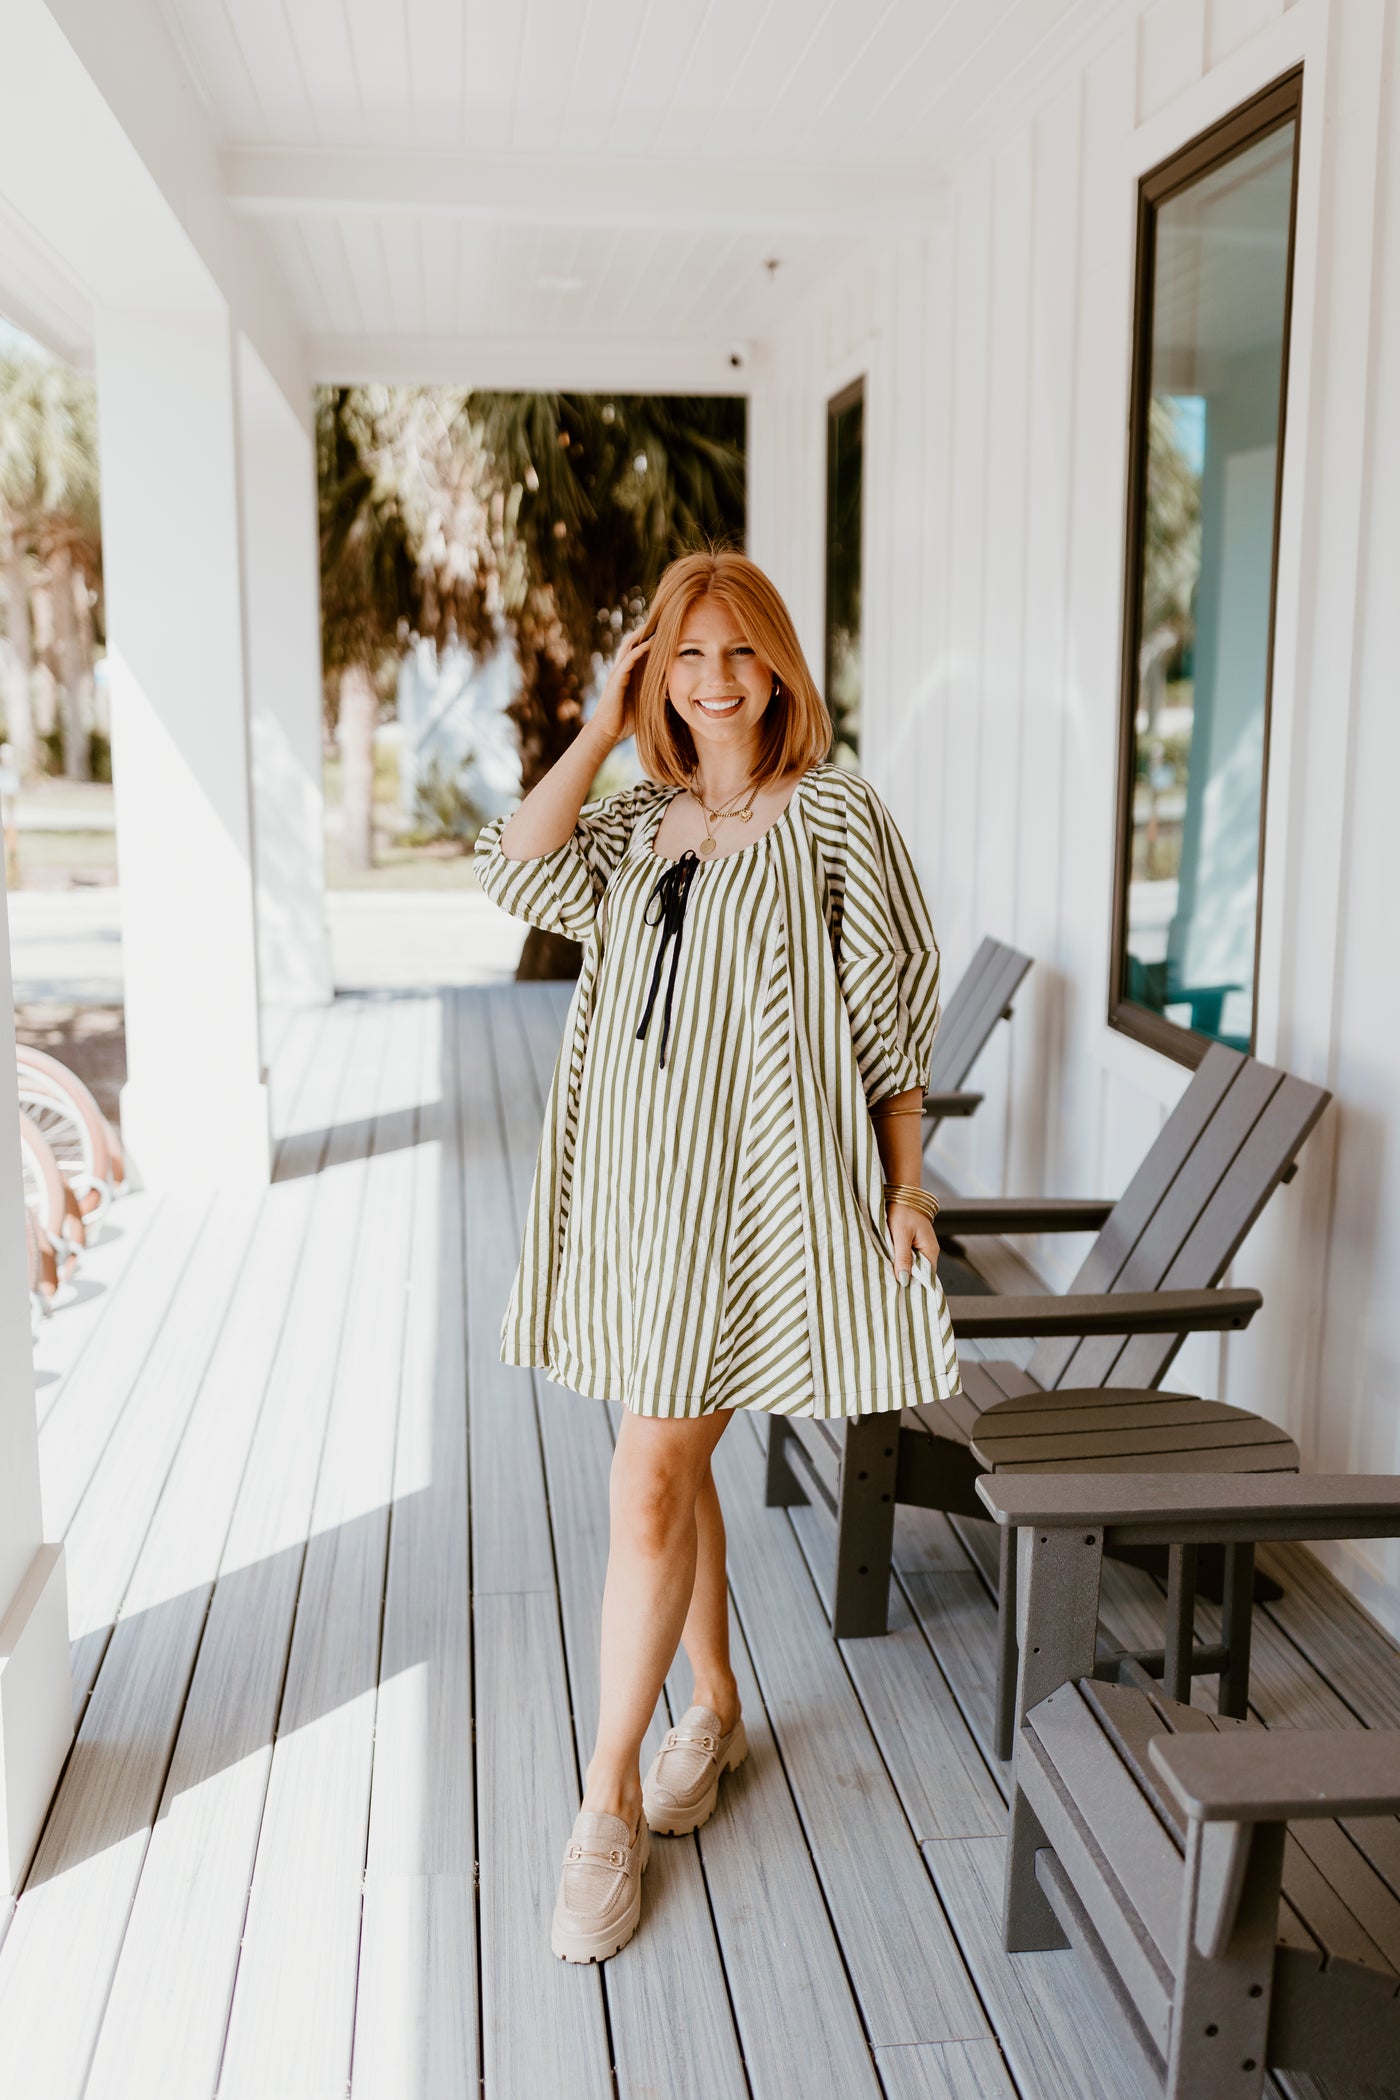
x=932, y=1755
x=949, y=1601
x=792, y=1996
x=1055, y=2038
x=104, y=1540
x=66, y=1333
x=945, y=2071
x=849, y=1807
x=511, y=1546
x=292, y=2017
x=73, y=1919
x=543, y=2021
x=1329, y=1635
x=88, y=1405
x=416, y=2024
x=173, y=1981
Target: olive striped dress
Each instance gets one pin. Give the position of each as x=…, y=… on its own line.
x=705, y=1227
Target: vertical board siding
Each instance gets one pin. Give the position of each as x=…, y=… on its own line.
x=1171, y=52
x=998, y=351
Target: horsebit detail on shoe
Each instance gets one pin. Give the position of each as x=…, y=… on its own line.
x=669, y=891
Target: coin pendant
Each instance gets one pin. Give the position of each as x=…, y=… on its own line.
x=706, y=848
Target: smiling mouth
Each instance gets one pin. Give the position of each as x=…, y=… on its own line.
x=718, y=707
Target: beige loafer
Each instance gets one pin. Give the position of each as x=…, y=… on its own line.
x=600, y=1887
x=682, y=1785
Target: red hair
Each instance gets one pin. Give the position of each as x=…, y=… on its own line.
x=796, y=730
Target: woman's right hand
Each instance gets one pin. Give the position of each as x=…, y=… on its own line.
x=615, y=714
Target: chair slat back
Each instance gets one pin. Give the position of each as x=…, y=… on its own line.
x=1133, y=1211
x=1191, y=1197
x=1254, y=1173
x=1219, y=1157
x=983, y=994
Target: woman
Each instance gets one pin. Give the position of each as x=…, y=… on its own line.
x=726, y=1209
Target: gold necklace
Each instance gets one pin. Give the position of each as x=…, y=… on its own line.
x=714, y=816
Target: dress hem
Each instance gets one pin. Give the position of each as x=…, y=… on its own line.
x=872, y=1401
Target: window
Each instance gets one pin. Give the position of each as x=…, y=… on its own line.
x=1210, y=361
x=845, y=457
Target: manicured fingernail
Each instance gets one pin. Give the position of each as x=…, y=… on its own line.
x=903, y=1275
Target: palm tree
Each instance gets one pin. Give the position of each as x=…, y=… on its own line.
x=468, y=516
x=49, y=514
x=599, y=494
x=405, y=551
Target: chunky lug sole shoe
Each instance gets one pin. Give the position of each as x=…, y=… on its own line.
x=682, y=1786
x=600, y=1887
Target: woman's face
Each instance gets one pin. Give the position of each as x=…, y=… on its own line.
x=718, y=686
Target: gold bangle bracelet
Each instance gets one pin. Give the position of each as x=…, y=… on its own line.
x=880, y=1114
x=917, y=1198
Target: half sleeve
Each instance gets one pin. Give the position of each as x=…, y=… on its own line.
x=888, y=964
x=561, y=890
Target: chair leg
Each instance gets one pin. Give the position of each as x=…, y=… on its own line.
x=1235, y=1631
x=865, y=1526
x=781, y=1488
x=1029, y=1925
x=1008, y=1655
x=1181, y=1624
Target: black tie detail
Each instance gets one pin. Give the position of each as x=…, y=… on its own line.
x=669, y=891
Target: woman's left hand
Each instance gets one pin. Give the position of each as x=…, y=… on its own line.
x=912, y=1234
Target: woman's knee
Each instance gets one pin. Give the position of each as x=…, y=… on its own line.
x=658, y=1471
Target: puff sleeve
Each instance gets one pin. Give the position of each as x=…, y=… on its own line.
x=561, y=890
x=888, y=956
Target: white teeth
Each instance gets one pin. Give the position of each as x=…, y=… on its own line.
x=719, y=707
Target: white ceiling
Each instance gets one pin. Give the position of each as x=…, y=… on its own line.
x=834, y=81
x=591, y=169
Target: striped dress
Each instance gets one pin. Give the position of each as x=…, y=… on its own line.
x=707, y=1230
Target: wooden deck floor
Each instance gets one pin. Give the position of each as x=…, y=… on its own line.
x=334, y=1576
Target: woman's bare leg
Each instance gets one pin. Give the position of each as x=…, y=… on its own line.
x=705, y=1635
x=658, y=1469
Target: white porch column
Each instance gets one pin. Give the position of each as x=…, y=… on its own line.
x=36, y=1704
x=195, y=1101
x=283, y=637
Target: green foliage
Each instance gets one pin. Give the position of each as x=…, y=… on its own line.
x=445, y=810
x=1172, y=527
x=99, y=754
x=1167, y=752
x=599, y=493
x=545, y=517
x=48, y=455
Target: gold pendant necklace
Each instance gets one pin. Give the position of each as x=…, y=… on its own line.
x=714, y=816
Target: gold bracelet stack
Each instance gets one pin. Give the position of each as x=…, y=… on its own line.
x=919, y=1199
x=880, y=1111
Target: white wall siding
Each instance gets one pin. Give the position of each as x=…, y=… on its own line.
x=998, y=352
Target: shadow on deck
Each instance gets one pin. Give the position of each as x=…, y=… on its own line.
x=334, y=1580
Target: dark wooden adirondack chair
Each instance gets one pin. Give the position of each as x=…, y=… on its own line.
x=1087, y=1399
x=983, y=997
x=1235, y=1891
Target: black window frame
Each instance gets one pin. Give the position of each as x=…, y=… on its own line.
x=1268, y=111
x=844, y=398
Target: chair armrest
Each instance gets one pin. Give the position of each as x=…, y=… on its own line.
x=1282, y=1775
x=1108, y=1312
x=962, y=1216
x=1149, y=1508
x=958, y=1102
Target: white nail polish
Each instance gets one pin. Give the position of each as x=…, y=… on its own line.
x=903, y=1275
